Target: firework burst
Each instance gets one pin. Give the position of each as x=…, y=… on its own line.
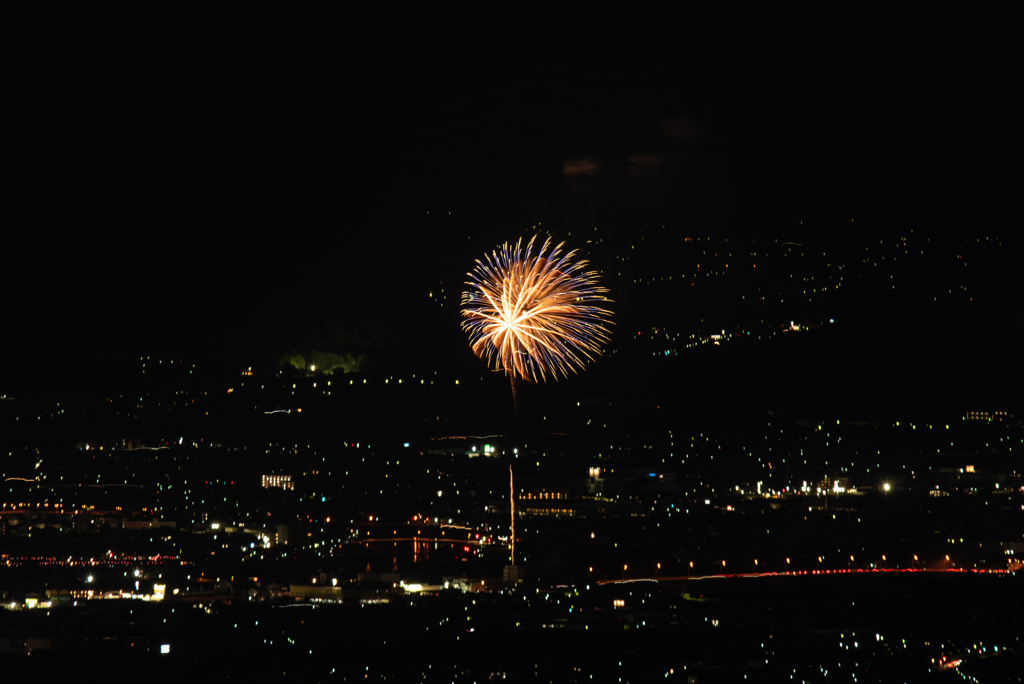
x=532, y=313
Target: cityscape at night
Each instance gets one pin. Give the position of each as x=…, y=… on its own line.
x=434, y=348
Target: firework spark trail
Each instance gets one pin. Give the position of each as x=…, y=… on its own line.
x=512, y=493
x=532, y=314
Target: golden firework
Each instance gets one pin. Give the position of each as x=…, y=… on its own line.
x=533, y=313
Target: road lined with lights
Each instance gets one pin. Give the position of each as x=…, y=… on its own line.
x=106, y=560
x=800, y=573
x=478, y=542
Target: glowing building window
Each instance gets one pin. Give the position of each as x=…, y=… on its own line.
x=281, y=481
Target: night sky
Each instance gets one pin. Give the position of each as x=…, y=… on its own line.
x=201, y=183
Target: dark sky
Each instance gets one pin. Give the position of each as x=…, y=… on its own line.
x=174, y=174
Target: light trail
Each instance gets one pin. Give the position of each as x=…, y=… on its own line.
x=802, y=573
x=512, y=499
x=436, y=540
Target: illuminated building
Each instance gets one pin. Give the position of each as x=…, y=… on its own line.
x=58, y=597
x=282, y=481
x=316, y=593
x=988, y=416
